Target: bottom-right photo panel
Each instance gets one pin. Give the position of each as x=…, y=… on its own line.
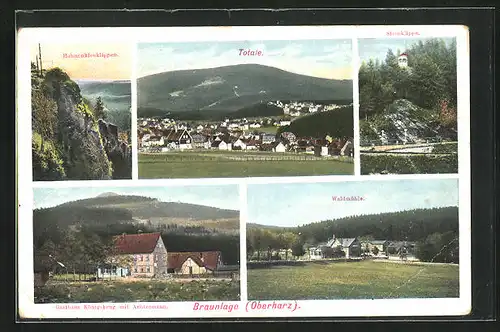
x=369, y=239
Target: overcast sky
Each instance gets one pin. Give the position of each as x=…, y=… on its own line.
x=320, y=58
x=303, y=203
x=220, y=196
x=376, y=48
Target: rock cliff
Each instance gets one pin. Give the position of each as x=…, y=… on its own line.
x=68, y=141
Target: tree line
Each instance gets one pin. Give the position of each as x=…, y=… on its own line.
x=262, y=244
x=435, y=232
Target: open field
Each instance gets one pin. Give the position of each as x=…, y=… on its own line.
x=269, y=129
x=138, y=291
x=353, y=280
x=200, y=164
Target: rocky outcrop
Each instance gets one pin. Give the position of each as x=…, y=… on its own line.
x=401, y=121
x=84, y=148
x=118, y=152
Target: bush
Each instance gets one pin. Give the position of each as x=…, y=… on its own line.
x=409, y=164
x=47, y=163
x=446, y=148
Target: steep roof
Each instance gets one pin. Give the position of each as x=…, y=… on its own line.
x=174, y=135
x=144, y=243
x=378, y=241
x=207, y=259
x=344, y=242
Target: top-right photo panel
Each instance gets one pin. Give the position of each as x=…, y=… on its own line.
x=408, y=106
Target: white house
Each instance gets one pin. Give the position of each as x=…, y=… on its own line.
x=278, y=147
x=239, y=143
x=221, y=145
x=315, y=253
x=284, y=123
x=154, y=141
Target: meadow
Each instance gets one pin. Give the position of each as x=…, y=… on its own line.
x=353, y=280
x=202, y=164
x=138, y=291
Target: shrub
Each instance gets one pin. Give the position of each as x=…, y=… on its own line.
x=409, y=164
x=47, y=163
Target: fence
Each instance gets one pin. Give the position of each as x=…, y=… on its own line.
x=215, y=274
x=380, y=142
x=221, y=158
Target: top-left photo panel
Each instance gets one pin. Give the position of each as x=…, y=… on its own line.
x=81, y=111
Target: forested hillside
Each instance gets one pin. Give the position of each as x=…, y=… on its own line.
x=423, y=94
x=432, y=229
x=337, y=123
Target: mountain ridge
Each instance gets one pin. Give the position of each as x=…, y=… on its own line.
x=231, y=88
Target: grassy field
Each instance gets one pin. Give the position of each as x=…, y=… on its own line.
x=353, y=280
x=269, y=129
x=138, y=291
x=237, y=164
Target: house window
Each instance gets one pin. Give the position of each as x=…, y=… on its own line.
x=147, y=269
x=147, y=258
x=135, y=270
x=142, y=269
x=140, y=258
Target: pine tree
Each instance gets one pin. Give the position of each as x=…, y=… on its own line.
x=99, y=109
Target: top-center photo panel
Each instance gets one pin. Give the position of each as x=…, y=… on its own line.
x=245, y=109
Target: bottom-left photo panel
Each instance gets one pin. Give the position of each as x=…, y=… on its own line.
x=136, y=244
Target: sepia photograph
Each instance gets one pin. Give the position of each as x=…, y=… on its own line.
x=408, y=106
x=245, y=108
x=136, y=244
x=81, y=111
x=353, y=240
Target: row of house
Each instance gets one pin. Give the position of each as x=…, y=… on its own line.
x=298, y=108
x=226, y=124
x=147, y=256
x=353, y=247
x=180, y=139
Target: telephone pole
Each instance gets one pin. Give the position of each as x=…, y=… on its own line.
x=40, y=58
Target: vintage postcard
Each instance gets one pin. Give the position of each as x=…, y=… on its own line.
x=258, y=172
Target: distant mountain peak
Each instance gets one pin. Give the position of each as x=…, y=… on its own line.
x=107, y=194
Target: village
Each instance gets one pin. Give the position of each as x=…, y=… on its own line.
x=345, y=248
x=258, y=134
x=142, y=256
x=354, y=248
